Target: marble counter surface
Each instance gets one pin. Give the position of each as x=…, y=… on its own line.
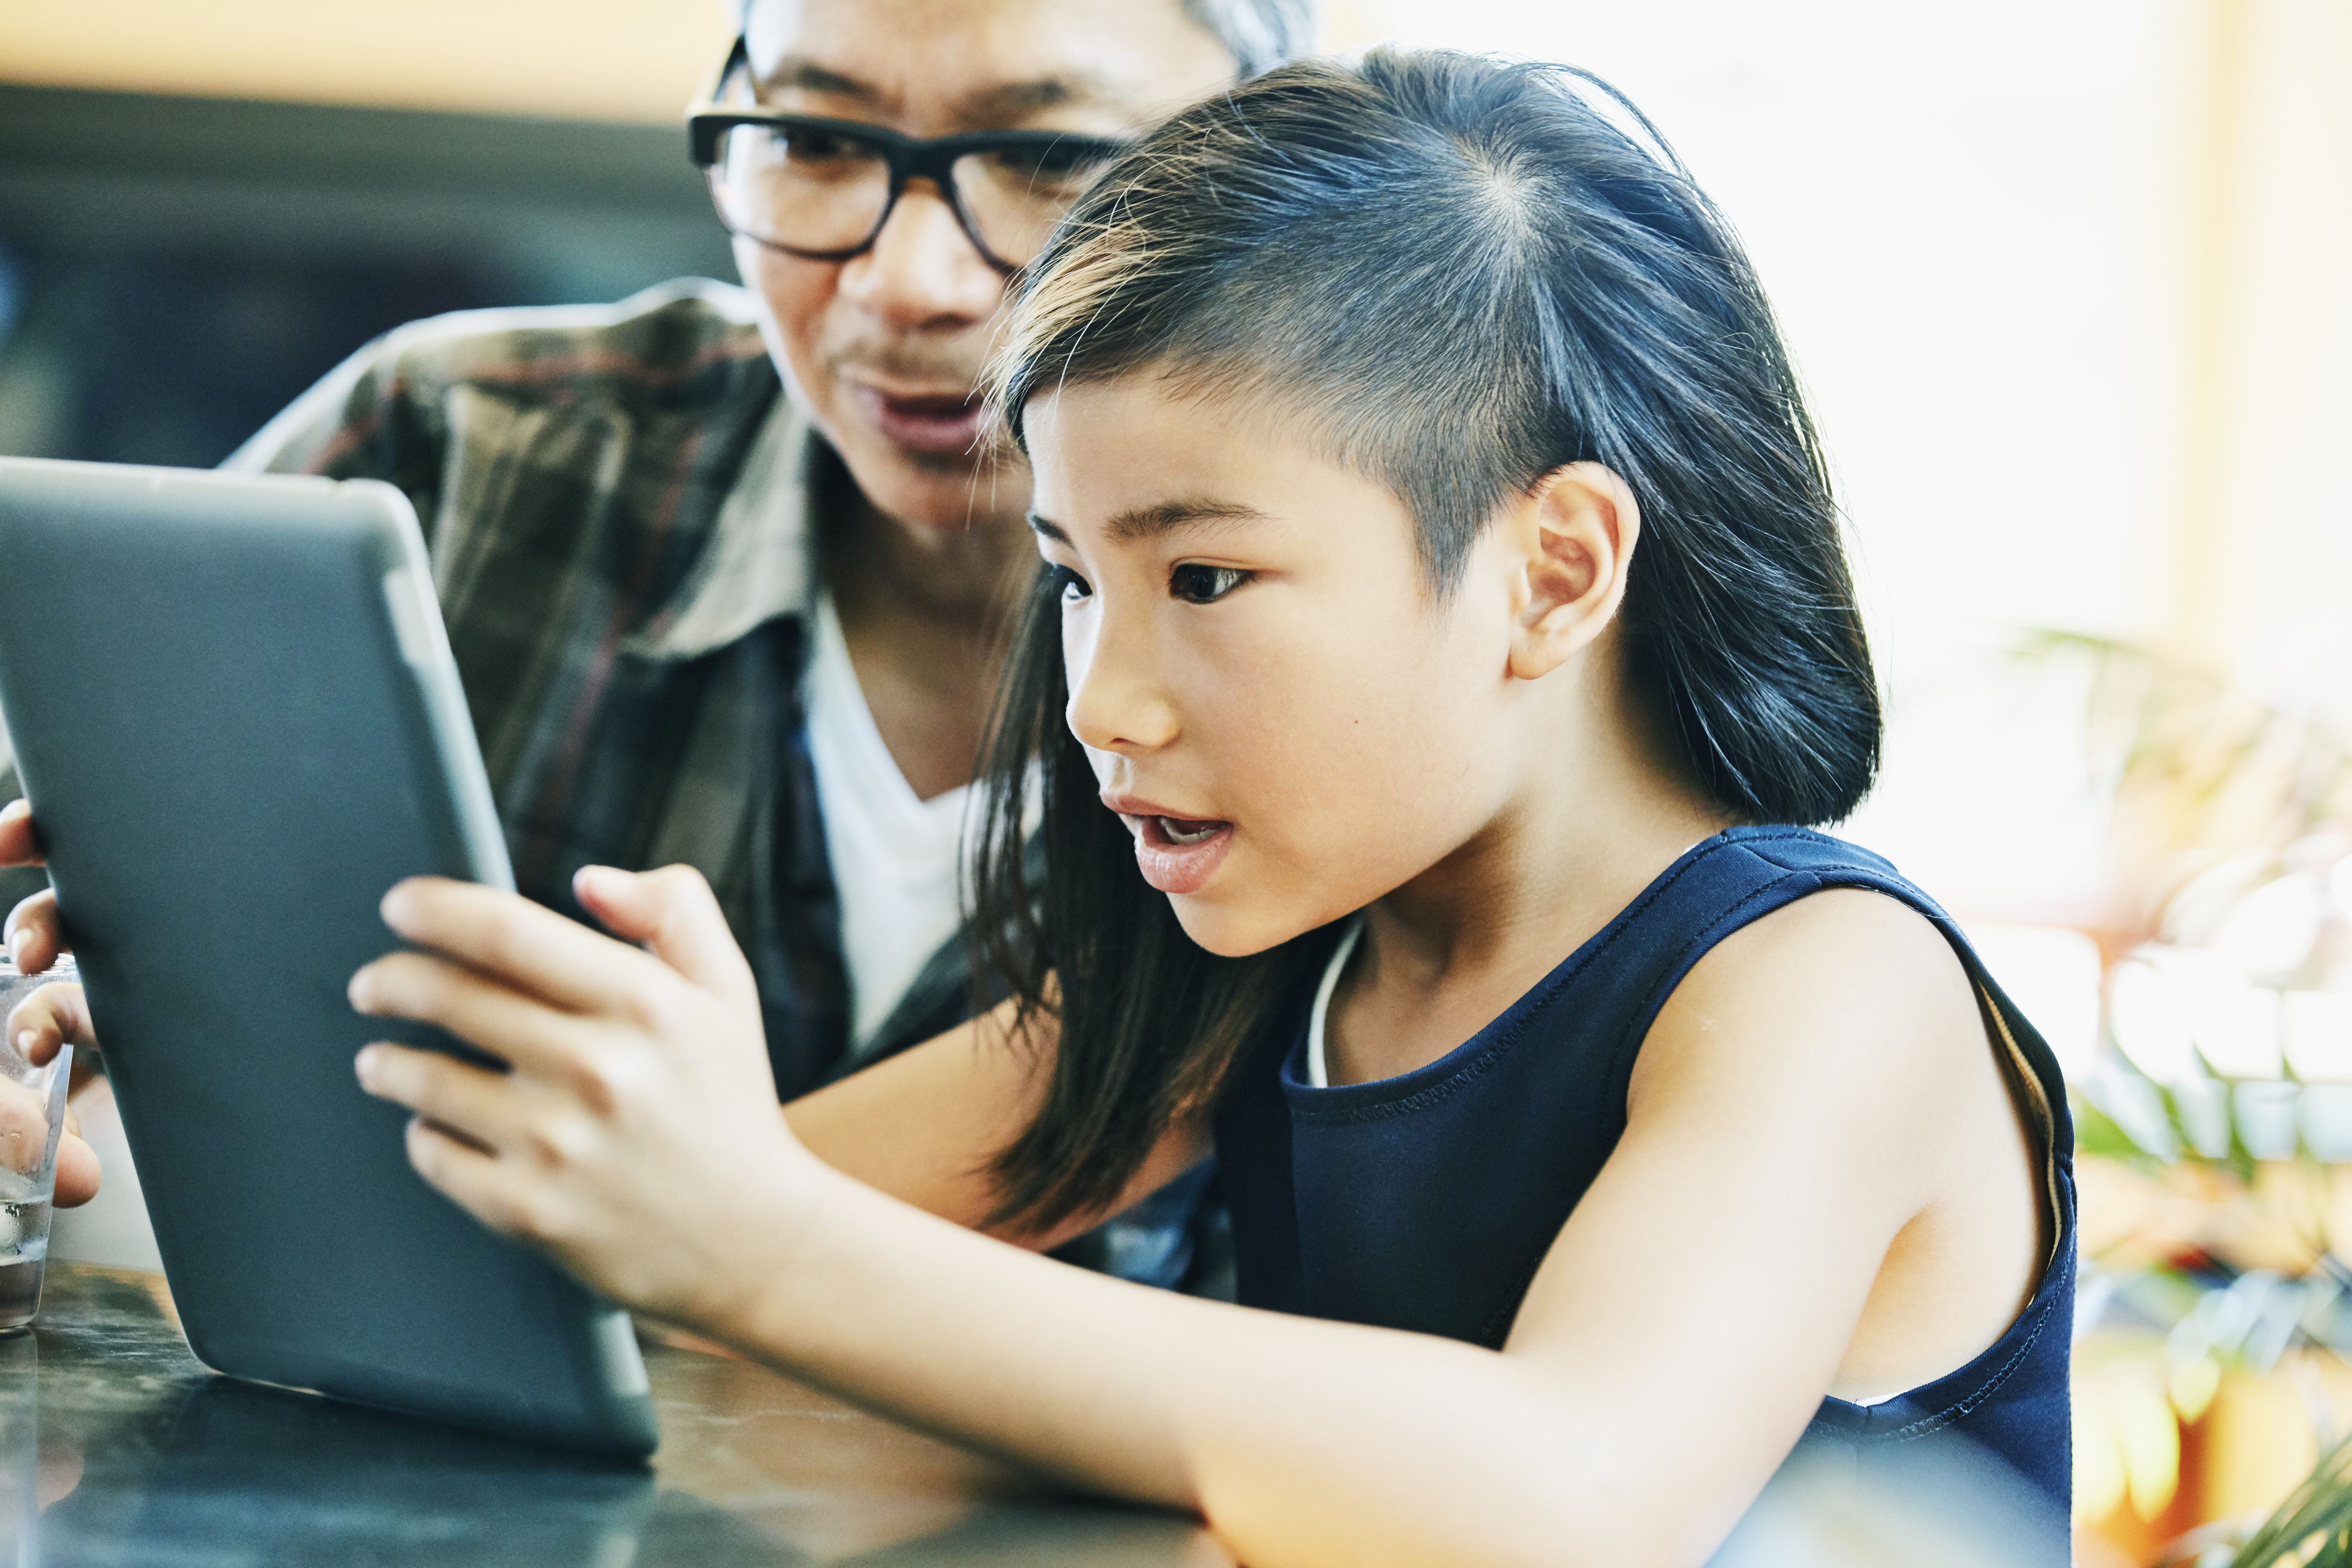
x=117, y=1447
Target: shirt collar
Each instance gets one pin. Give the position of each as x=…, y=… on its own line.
x=761, y=561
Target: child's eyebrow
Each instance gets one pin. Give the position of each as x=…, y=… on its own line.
x=1168, y=517
x=1152, y=522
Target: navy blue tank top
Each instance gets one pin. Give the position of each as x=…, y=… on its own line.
x=1426, y=1202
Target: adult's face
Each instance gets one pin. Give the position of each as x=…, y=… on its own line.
x=885, y=349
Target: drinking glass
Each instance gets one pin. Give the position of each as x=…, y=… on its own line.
x=32, y=1118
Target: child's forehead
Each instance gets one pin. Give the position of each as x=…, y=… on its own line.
x=1113, y=446
x=1136, y=458
x=1150, y=430
x=1149, y=402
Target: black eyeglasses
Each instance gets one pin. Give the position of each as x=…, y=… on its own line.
x=823, y=188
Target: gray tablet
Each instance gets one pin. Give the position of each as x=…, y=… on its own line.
x=235, y=713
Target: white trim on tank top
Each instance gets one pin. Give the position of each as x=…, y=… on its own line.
x=1317, y=1074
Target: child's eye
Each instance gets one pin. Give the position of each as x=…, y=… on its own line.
x=1198, y=584
x=1068, y=586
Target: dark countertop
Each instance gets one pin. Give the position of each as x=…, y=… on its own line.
x=117, y=1447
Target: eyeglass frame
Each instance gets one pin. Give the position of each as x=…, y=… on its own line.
x=933, y=158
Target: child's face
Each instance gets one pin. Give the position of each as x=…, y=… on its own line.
x=1287, y=719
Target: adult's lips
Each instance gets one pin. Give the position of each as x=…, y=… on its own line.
x=940, y=424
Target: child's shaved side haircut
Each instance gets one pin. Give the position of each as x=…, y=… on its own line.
x=1580, y=300
x=1452, y=276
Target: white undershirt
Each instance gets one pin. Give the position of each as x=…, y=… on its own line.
x=895, y=857
x=1317, y=1076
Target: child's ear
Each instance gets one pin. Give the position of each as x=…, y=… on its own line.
x=1574, y=536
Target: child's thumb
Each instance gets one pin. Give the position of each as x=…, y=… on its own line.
x=673, y=914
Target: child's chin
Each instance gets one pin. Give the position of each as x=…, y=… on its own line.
x=1229, y=933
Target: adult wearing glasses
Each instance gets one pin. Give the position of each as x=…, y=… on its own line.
x=720, y=567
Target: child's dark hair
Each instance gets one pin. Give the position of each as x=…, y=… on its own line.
x=1453, y=276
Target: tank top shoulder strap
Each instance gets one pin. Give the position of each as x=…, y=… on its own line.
x=1790, y=862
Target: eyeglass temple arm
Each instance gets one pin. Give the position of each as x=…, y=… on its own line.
x=741, y=55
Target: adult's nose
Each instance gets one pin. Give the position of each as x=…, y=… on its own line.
x=923, y=271
x=1116, y=701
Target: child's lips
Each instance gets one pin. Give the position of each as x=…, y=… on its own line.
x=1178, y=854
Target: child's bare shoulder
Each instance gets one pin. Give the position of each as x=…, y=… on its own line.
x=1846, y=1002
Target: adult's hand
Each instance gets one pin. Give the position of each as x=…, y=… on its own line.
x=637, y=1138
x=53, y=1015
x=31, y=933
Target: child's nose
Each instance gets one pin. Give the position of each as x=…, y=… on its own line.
x=1117, y=702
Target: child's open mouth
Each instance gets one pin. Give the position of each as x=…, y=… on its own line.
x=1177, y=854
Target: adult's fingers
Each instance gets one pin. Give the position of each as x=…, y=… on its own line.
x=77, y=1172
x=674, y=912
x=58, y=1013
x=23, y=1127
x=510, y=1024
x=507, y=935
x=32, y=932
x=19, y=844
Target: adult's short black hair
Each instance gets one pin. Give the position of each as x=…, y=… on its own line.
x=1259, y=34
x=1454, y=276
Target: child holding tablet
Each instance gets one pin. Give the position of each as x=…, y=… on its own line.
x=1444, y=622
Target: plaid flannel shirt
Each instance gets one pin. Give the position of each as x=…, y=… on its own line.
x=618, y=505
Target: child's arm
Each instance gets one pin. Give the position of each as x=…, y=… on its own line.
x=1680, y=1334
x=923, y=1125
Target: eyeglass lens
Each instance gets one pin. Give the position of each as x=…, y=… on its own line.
x=820, y=191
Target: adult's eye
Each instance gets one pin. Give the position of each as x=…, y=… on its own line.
x=806, y=144
x=1068, y=586
x=1068, y=164
x=1198, y=584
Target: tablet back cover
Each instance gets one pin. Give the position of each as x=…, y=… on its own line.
x=236, y=721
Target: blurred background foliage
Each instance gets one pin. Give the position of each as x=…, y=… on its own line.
x=2211, y=1384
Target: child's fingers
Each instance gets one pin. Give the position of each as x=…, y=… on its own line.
x=58, y=1013
x=508, y=937
x=32, y=934
x=476, y=1104
x=513, y=1025
x=479, y=1183
x=674, y=912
